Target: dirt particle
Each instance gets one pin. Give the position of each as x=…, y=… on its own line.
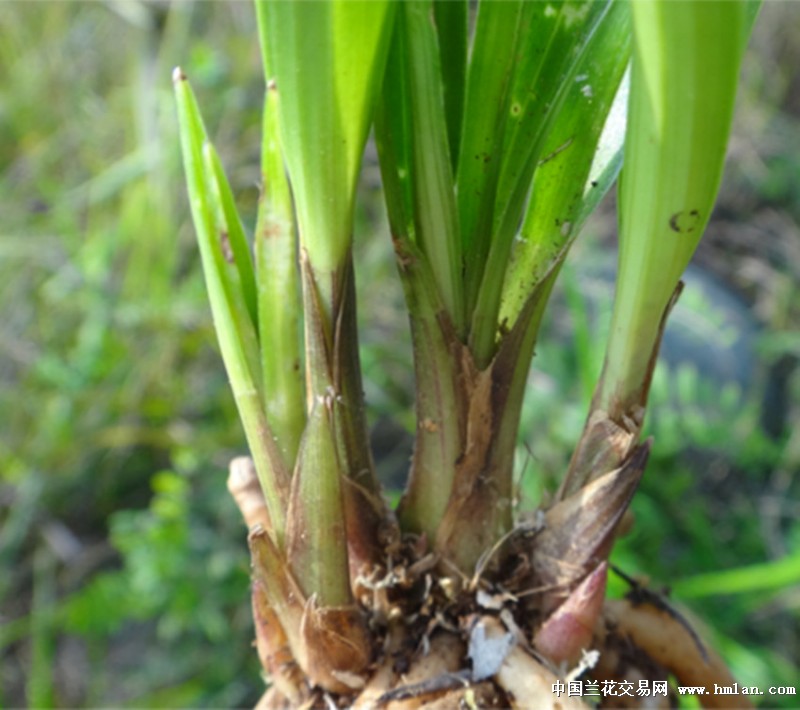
x=430, y=426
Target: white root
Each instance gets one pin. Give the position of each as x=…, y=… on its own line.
x=245, y=489
x=668, y=642
x=529, y=685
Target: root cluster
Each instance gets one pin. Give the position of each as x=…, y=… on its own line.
x=444, y=641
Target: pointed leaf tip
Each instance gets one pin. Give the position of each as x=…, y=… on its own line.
x=178, y=75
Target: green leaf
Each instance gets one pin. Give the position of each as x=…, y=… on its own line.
x=438, y=437
x=232, y=320
x=235, y=245
x=554, y=39
x=327, y=59
x=556, y=36
x=491, y=69
x=450, y=18
x=683, y=86
x=435, y=217
x=581, y=158
x=393, y=137
x=767, y=576
x=279, y=305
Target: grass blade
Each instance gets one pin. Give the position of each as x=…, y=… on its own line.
x=766, y=576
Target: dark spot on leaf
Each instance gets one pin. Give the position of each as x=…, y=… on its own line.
x=225, y=244
x=594, y=183
x=37, y=206
x=271, y=230
x=684, y=222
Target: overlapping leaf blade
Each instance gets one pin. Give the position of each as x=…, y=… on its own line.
x=233, y=319
x=553, y=39
x=279, y=306
x=493, y=60
x=451, y=20
x=581, y=158
x=435, y=216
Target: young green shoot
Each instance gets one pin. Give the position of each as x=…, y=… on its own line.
x=231, y=307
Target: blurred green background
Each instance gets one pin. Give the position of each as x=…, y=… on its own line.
x=123, y=567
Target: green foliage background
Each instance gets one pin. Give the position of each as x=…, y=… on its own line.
x=123, y=568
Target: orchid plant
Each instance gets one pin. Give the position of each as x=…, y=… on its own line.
x=499, y=128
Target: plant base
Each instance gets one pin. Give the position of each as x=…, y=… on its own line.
x=442, y=640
